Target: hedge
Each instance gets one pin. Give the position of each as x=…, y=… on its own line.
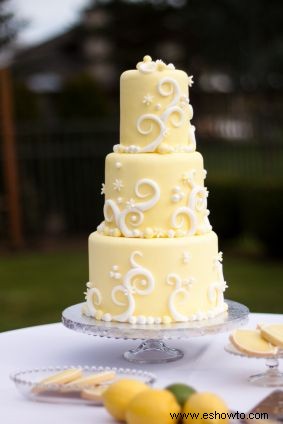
x=248, y=207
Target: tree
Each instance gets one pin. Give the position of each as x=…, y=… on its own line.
x=8, y=24
x=238, y=37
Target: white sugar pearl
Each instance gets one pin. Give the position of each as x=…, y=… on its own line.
x=175, y=198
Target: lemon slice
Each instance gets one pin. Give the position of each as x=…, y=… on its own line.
x=90, y=380
x=94, y=394
x=273, y=333
x=60, y=378
x=250, y=342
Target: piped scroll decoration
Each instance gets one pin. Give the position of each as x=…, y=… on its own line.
x=112, y=212
x=138, y=280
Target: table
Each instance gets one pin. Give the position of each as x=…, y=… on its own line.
x=205, y=365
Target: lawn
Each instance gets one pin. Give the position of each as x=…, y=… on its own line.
x=36, y=287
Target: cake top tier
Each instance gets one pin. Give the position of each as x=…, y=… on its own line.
x=155, y=111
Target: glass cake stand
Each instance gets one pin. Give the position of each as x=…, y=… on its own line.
x=153, y=349
x=272, y=377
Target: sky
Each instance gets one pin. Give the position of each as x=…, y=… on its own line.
x=45, y=17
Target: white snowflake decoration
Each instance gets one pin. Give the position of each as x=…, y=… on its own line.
x=188, y=177
x=191, y=81
x=147, y=100
x=102, y=188
x=188, y=281
x=118, y=184
x=130, y=203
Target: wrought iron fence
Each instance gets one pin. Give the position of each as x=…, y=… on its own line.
x=61, y=171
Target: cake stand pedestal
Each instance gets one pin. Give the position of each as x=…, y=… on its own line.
x=153, y=349
x=272, y=377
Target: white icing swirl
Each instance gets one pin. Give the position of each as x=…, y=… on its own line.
x=143, y=206
x=162, y=120
x=197, y=202
x=112, y=211
x=151, y=147
x=130, y=286
x=198, y=198
x=93, y=298
x=184, y=210
x=174, y=90
x=175, y=280
x=110, y=205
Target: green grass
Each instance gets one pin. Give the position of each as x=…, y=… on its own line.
x=36, y=287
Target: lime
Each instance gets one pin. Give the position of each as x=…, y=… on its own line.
x=181, y=391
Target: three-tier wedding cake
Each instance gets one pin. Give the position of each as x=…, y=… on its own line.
x=155, y=259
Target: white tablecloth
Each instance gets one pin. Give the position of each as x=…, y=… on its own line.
x=205, y=365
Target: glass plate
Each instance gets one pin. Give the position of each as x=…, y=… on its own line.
x=272, y=377
x=236, y=315
x=153, y=349
x=28, y=383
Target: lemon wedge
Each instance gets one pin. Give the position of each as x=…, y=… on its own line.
x=250, y=342
x=60, y=378
x=273, y=333
x=94, y=394
x=90, y=380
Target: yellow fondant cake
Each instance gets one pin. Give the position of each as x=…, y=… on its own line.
x=154, y=258
x=150, y=195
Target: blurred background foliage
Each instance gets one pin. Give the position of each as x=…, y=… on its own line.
x=66, y=117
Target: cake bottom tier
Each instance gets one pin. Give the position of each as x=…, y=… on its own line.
x=146, y=281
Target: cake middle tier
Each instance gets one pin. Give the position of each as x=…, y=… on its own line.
x=150, y=195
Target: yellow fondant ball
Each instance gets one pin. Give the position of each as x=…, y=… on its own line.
x=210, y=408
x=119, y=394
x=153, y=406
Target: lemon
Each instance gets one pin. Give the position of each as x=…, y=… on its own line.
x=181, y=392
x=118, y=395
x=211, y=409
x=153, y=406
